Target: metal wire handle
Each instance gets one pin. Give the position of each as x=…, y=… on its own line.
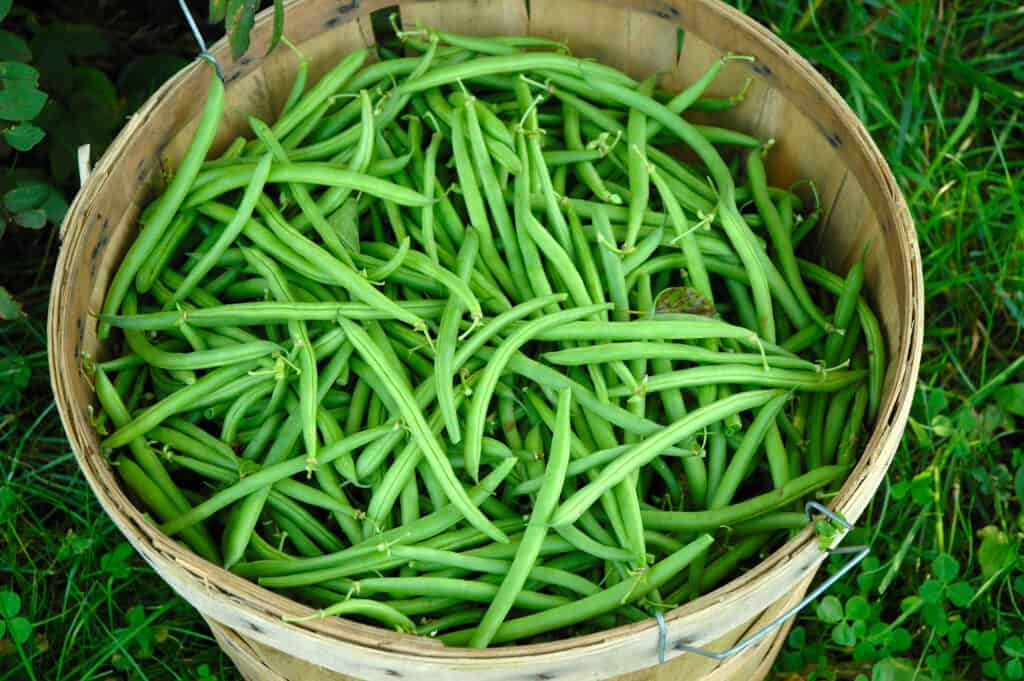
x=858, y=552
x=203, y=52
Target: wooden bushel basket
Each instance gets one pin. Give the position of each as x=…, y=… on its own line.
x=816, y=136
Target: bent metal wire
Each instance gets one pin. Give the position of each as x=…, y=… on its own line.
x=859, y=553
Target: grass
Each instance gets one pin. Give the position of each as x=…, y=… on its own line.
x=939, y=85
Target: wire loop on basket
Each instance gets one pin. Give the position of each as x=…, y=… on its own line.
x=203, y=52
x=858, y=552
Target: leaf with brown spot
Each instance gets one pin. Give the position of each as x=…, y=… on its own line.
x=685, y=299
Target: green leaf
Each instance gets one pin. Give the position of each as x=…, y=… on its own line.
x=844, y=635
x=20, y=628
x=21, y=102
x=7, y=498
x=983, y=642
x=934, y=615
x=76, y=40
x=26, y=197
x=899, y=640
x=143, y=75
x=19, y=72
x=991, y=669
x=684, y=299
x=894, y=669
x=24, y=136
x=1014, y=669
x=1018, y=485
x=1011, y=398
x=830, y=610
x=5, y=7
x=115, y=562
x=960, y=594
x=996, y=552
x=9, y=307
x=931, y=591
x=10, y=604
x=1014, y=646
x=13, y=48
x=217, y=10
x=54, y=206
x=241, y=14
x=864, y=652
x=31, y=219
x=857, y=608
x=278, y=25
x=945, y=567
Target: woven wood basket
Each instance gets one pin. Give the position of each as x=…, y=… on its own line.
x=817, y=137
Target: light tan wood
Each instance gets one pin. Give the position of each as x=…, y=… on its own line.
x=816, y=135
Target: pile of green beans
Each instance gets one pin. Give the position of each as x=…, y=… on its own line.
x=457, y=345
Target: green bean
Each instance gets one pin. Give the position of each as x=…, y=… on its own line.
x=700, y=521
x=154, y=499
x=745, y=375
x=606, y=601
x=495, y=201
x=401, y=393
x=307, y=172
x=496, y=365
x=585, y=170
x=560, y=261
x=326, y=87
x=444, y=371
x=837, y=413
x=375, y=610
x=164, y=493
x=450, y=621
x=289, y=574
x=172, y=438
x=259, y=441
x=869, y=325
x=484, y=66
x=643, y=251
x=269, y=475
x=780, y=237
x=150, y=270
x=295, y=534
x=238, y=410
x=154, y=230
x=654, y=445
x=684, y=99
x=851, y=430
x=806, y=226
x=475, y=208
x=175, y=403
x=733, y=223
x=775, y=451
x=560, y=157
x=629, y=350
x=742, y=458
x=308, y=400
x=479, y=591
x=325, y=267
x=639, y=177
x=429, y=178
x=536, y=529
x=769, y=522
x=719, y=569
x=846, y=306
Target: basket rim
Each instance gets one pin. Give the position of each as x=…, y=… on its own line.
x=800, y=554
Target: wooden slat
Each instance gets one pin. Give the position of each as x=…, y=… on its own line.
x=606, y=37
x=472, y=17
